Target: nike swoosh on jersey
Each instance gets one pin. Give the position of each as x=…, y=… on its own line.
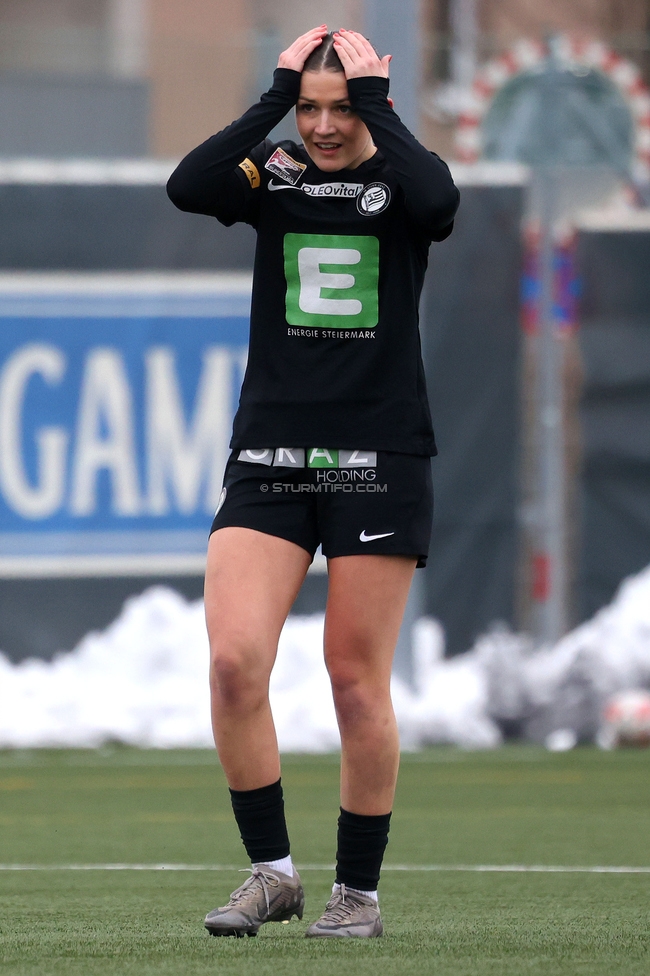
x=370, y=538
x=281, y=186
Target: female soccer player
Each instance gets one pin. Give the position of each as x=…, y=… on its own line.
x=344, y=223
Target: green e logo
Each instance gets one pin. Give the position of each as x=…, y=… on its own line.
x=332, y=280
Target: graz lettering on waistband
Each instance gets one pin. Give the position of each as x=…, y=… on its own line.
x=311, y=457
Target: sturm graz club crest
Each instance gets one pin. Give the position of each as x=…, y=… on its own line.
x=374, y=199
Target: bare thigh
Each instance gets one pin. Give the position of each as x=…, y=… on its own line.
x=251, y=582
x=366, y=600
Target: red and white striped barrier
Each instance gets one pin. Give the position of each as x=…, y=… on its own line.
x=527, y=54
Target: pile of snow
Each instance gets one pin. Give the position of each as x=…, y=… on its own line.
x=564, y=689
x=143, y=681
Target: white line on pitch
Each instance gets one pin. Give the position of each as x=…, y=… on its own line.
x=485, y=868
x=520, y=868
x=119, y=867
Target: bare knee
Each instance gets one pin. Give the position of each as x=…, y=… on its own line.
x=358, y=695
x=238, y=678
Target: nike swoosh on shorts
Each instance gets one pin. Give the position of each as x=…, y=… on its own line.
x=370, y=538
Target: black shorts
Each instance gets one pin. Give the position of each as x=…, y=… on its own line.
x=384, y=509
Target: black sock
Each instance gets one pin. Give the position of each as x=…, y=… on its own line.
x=260, y=818
x=361, y=845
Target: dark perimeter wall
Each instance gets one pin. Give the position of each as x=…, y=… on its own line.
x=112, y=228
x=472, y=346
x=615, y=411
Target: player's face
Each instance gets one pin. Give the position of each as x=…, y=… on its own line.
x=333, y=135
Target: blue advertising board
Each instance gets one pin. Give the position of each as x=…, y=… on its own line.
x=117, y=394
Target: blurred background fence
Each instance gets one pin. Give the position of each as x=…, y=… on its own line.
x=98, y=98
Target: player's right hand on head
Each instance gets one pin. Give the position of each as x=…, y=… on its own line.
x=295, y=56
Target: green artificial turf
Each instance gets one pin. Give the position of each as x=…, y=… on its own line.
x=517, y=805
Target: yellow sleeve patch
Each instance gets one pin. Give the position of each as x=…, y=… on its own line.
x=252, y=172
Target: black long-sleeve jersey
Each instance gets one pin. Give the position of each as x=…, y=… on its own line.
x=334, y=353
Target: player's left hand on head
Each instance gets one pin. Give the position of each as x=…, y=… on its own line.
x=358, y=56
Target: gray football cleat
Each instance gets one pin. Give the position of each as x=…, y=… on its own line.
x=267, y=896
x=348, y=913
